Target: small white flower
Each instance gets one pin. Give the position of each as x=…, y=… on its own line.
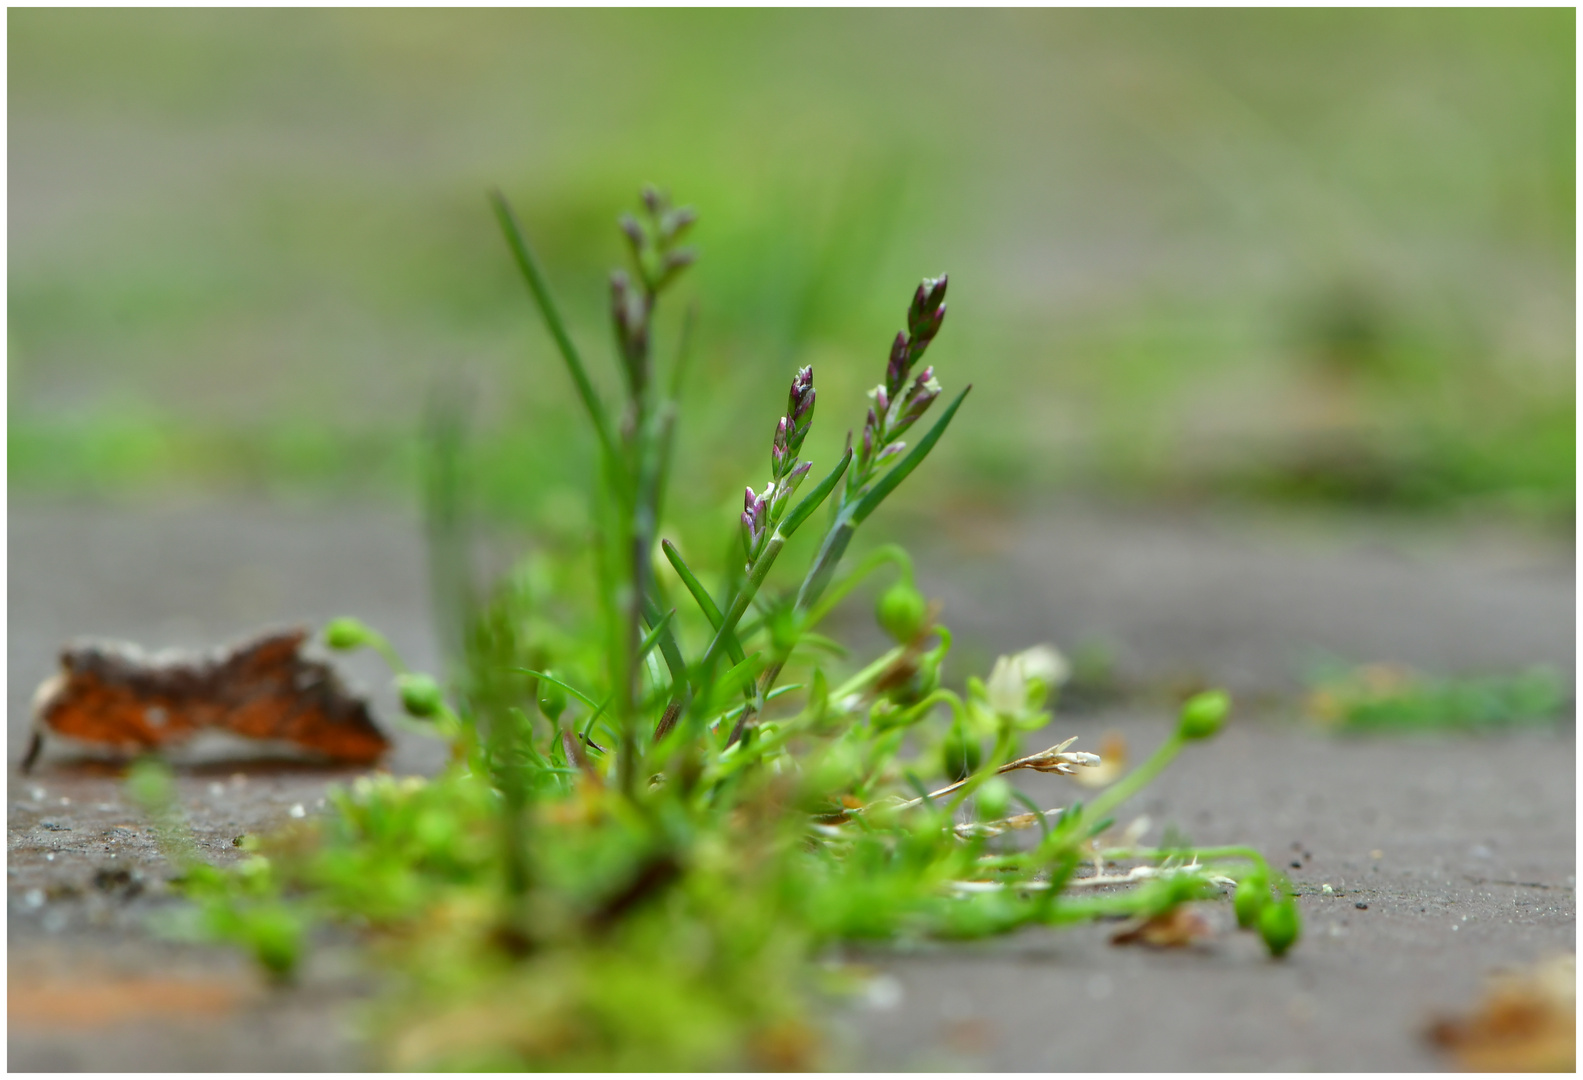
x=1009, y=684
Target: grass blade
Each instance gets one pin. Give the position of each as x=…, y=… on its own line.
x=540, y=290
x=816, y=496
x=568, y=687
x=655, y=630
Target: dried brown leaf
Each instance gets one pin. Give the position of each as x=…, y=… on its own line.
x=112, y=695
x=1527, y=1022
x=1177, y=928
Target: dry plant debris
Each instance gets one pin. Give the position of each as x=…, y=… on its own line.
x=1527, y=1022
x=113, y=695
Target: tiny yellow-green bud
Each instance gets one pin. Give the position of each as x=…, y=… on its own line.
x=1204, y=714
x=420, y=695
x=1279, y=925
x=901, y=611
x=1252, y=897
x=346, y=633
x=993, y=799
x=552, y=700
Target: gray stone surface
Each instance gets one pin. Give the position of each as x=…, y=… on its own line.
x=1475, y=837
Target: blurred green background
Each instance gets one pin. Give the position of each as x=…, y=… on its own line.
x=1194, y=255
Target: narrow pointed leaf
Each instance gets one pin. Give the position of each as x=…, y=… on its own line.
x=540, y=291
x=815, y=497
x=568, y=687
x=706, y=603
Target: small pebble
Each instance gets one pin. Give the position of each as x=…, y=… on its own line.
x=298, y=811
x=1376, y=854
x=1296, y=865
x=50, y=857
x=33, y=898
x=1361, y=906
x=1327, y=890
x=217, y=789
x=64, y=801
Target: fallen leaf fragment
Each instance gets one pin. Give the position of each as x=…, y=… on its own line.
x=1527, y=1022
x=92, y=1003
x=113, y=695
x=1177, y=928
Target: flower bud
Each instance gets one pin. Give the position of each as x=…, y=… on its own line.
x=552, y=700
x=993, y=798
x=795, y=477
x=902, y=610
x=633, y=231
x=749, y=537
x=420, y=695
x=676, y=223
x=1203, y=714
x=1252, y=897
x=889, y=452
x=653, y=199
x=1280, y=925
x=896, y=369
x=960, y=754
x=346, y=634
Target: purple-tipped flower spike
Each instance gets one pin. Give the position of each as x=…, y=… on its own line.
x=920, y=395
x=896, y=370
x=653, y=199
x=749, y=540
x=633, y=231
x=870, y=428
x=800, y=400
x=628, y=321
x=881, y=400
x=780, y=450
x=795, y=477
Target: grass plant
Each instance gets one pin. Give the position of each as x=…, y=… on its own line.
x=668, y=793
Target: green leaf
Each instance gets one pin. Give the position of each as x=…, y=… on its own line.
x=568, y=687
x=816, y=496
x=540, y=290
x=891, y=480
x=700, y=594
x=656, y=629
x=745, y=672
x=1033, y=808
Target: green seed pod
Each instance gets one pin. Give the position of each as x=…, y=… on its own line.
x=993, y=799
x=1280, y=925
x=420, y=695
x=1252, y=897
x=552, y=700
x=960, y=755
x=901, y=611
x=1203, y=714
x=345, y=634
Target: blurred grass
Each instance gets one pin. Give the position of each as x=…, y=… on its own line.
x=1318, y=256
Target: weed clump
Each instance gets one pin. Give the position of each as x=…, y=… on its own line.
x=667, y=791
